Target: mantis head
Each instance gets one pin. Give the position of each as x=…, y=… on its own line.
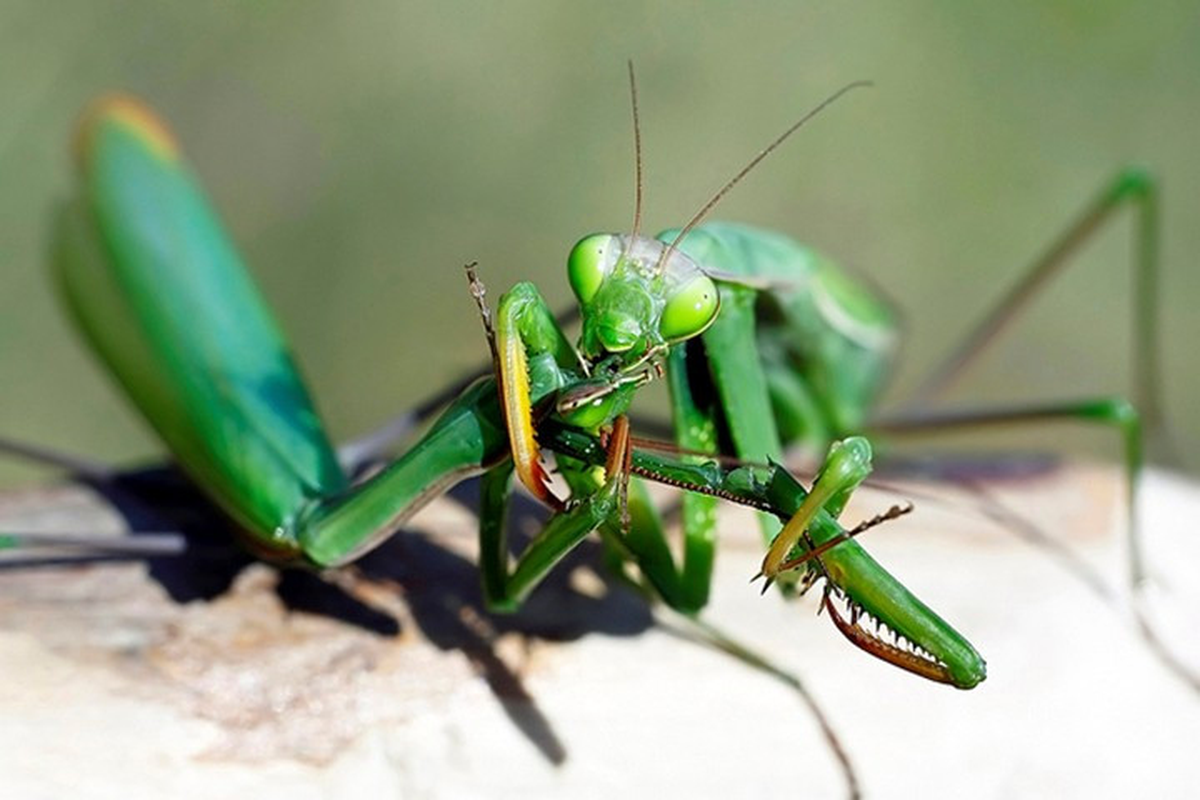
x=638, y=296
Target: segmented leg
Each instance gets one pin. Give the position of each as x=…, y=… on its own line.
x=1142, y=417
x=1113, y=411
x=504, y=588
x=847, y=465
x=1133, y=188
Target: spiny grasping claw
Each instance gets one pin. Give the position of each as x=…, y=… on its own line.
x=897, y=656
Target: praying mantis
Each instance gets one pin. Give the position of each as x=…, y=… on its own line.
x=161, y=295
x=762, y=341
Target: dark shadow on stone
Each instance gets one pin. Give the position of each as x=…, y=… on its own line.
x=301, y=590
x=160, y=498
x=446, y=600
x=441, y=588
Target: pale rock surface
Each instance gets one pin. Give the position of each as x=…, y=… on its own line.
x=403, y=688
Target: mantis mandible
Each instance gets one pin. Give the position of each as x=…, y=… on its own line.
x=162, y=296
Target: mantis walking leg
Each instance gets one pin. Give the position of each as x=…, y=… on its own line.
x=1144, y=415
x=1133, y=188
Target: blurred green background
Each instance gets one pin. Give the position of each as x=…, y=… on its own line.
x=361, y=153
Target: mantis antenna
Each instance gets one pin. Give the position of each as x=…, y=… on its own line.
x=637, y=156
x=754, y=162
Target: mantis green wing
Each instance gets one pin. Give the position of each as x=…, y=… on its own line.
x=163, y=297
x=161, y=294
x=825, y=341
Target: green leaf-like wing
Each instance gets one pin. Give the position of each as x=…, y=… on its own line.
x=162, y=295
x=840, y=333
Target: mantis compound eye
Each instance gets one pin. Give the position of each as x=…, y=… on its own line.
x=591, y=259
x=690, y=309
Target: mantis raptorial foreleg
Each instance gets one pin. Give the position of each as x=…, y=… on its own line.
x=531, y=354
x=713, y=388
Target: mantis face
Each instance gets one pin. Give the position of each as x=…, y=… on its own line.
x=638, y=296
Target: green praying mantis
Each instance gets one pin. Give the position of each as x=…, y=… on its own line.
x=762, y=341
x=162, y=296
